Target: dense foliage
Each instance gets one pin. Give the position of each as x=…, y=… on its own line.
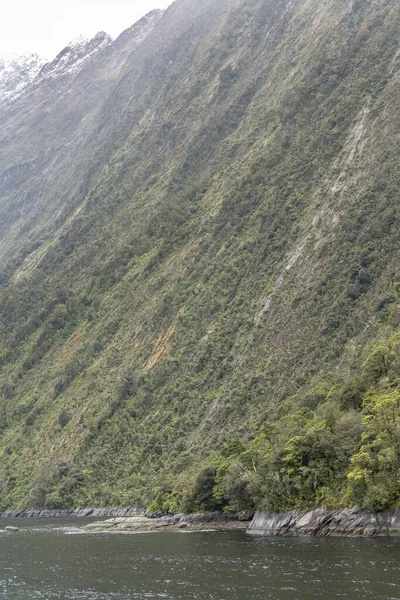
x=344, y=452
x=200, y=291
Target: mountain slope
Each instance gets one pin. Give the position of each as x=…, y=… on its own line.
x=200, y=243
x=49, y=132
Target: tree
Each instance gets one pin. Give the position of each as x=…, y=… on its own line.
x=374, y=473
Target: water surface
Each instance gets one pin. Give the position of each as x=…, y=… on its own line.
x=55, y=560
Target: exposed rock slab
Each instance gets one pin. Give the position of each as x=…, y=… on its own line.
x=177, y=522
x=72, y=513
x=319, y=522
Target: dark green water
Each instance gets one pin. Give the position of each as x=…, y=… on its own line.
x=55, y=560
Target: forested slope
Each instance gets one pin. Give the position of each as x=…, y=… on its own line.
x=200, y=264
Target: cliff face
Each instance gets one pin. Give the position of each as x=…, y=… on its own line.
x=199, y=246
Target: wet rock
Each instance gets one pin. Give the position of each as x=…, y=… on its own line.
x=319, y=522
x=155, y=515
x=117, y=511
x=218, y=520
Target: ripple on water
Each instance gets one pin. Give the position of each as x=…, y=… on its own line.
x=56, y=562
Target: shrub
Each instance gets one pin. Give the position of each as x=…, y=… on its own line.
x=64, y=418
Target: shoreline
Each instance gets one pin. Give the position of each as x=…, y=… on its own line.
x=352, y=522
x=71, y=513
x=198, y=522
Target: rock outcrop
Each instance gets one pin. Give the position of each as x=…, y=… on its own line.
x=216, y=520
x=319, y=522
x=72, y=513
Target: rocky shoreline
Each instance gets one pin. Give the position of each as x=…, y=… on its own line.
x=214, y=521
x=319, y=522
x=73, y=513
x=346, y=522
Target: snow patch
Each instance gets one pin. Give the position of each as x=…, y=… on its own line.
x=73, y=57
x=16, y=72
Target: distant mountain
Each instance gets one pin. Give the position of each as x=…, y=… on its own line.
x=199, y=262
x=16, y=72
x=74, y=56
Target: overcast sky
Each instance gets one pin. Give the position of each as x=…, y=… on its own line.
x=46, y=26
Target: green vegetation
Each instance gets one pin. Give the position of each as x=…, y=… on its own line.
x=335, y=455
x=200, y=297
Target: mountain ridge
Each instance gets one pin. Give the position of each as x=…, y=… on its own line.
x=16, y=72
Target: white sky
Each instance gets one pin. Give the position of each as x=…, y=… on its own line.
x=47, y=26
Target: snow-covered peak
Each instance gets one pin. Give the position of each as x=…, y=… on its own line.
x=16, y=72
x=73, y=57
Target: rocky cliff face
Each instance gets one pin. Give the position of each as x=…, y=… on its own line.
x=349, y=522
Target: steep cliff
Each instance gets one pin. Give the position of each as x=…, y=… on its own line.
x=199, y=244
